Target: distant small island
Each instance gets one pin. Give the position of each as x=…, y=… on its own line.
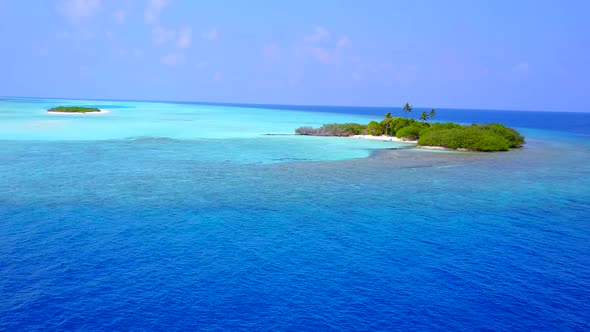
x=76, y=110
x=444, y=135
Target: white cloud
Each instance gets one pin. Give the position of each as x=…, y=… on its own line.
x=173, y=59
x=319, y=34
x=127, y=54
x=270, y=51
x=184, y=38
x=320, y=46
x=324, y=55
x=211, y=35
x=218, y=76
x=344, y=42
x=163, y=35
x=522, y=67
x=120, y=16
x=76, y=10
x=153, y=10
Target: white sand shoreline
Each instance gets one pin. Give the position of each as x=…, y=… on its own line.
x=384, y=138
x=430, y=147
x=102, y=111
x=442, y=148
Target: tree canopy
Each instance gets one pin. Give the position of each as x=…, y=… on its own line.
x=74, y=109
x=486, y=137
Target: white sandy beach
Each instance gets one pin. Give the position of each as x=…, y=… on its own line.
x=74, y=113
x=429, y=147
x=442, y=148
x=384, y=138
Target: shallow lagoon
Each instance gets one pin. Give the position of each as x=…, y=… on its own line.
x=187, y=216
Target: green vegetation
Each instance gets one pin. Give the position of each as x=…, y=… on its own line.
x=74, y=109
x=399, y=123
x=374, y=128
x=408, y=109
x=385, y=123
x=333, y=129
x=514, y=138
x=487, y=137
x=445, y=125
x=428, y=115
x=424, y=116
x=471, y=138
x=412, y=131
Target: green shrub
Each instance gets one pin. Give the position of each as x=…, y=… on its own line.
x=489, y=137
x=345, y=129
x=354, y=128
x=397, y=124
x=333, y=129
x=387, y=124
x=470, y=138
x=513, y=136
x=481, y=140
x=306, y=130
x=445, y=125
x=412, y=131
x=74, y=109
x=375, y=128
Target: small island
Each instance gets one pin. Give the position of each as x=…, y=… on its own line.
x=76, y=110
x=439, y=135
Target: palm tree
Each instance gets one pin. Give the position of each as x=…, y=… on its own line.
x=432, y=113
x=408, y=108
x=387, y=117
x=424, y=116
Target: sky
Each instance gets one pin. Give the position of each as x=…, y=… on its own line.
x=514, y=55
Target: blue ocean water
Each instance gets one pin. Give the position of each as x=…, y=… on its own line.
x=162, y=216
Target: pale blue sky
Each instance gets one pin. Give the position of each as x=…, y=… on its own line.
x=528, y=55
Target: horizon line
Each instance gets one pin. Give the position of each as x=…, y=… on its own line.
x=239, y=104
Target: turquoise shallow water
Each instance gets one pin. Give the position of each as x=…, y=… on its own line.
x=227, y=133
x=180, y=216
